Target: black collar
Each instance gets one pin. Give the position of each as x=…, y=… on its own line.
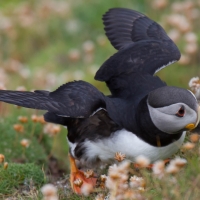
x=148, y=131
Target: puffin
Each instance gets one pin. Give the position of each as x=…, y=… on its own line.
x=141, y=116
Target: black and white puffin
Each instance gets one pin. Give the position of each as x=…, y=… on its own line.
x=142, y=116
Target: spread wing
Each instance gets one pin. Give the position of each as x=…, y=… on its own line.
x=74, y=99
x=142, y=43
x=124, y=27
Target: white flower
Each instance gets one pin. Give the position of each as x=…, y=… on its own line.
x=142, y=161
x=49, y=192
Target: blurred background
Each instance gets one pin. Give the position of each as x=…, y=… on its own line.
x=46, y=43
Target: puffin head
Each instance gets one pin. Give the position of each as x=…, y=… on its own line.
x=173, y=110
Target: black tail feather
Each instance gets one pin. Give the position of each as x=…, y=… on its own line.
x=24, y=99
x=77, y=99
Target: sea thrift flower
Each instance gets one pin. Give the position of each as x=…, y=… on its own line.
x=159, y=168
x=19, y=128
x=190, y=37
x=86, y=189
x=137, y=182
x=120, y=156
x=188, y=146
x=5, y=165
x=49, y=192
x=41, y=120
x=172, y=169
x=88, y=46
x=78, y=182
x=103, y=178
x=142, y=161
x=74, y=55
x=100, y=197
x=34, y=118
x=184, y=60
x=89, y=173
x=179, y=162
x=2, y=86
x=194, y=137
x=191, y=48
x=194, y=84
x=51, y=129
x=25, y=143
x=159, y=4
x=21, y=88
x=174, y=34
x=23, y=119
x=2, y=158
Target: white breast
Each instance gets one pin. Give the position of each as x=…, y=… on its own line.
x=129, y=144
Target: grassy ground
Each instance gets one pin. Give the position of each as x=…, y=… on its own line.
x=44, y=44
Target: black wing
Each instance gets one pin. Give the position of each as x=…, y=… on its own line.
x=124, y=27
x=143, y=45
x=74, y=99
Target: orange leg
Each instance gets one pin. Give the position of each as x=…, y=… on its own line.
x=78, y=178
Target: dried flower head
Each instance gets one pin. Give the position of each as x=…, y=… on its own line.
x=74, y=55
x=194, y=84
x=101, y=40
x=103, y=178
x=89, y=173
x=2, y=86
x=100, y=197
x=191, y=48
x=49, y=192
x=19, y=128
x=194, y=137
x=5, y=165
x=184, y=60
x=51, y=129
x=21, y=88
x=23, y=119
x=190, y=37
x=142, y=161
x=159, y=168
x=120, y=156
x=86, y=189
x=2, y=158
x=34, y=118
x=172, y=169
x=25, y=143
x=159, y=4
x=88, y=46
x=78, y=182
x=179, y=162
x=188, y=146
x=137, y=182
x=174, y=34
x=41, y=120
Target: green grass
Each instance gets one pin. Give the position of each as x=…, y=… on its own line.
x=20, y=176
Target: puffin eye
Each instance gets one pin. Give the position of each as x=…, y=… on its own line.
x=181, y=112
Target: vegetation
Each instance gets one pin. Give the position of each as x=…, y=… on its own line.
x=46, y=43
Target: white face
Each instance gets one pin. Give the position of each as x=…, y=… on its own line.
x=173, y=118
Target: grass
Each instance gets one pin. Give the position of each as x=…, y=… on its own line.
x=18, y=177
x=37, y=39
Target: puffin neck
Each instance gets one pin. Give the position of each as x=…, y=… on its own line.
x=152, y=135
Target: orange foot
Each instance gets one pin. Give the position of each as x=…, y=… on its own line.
x=150, y=166
x=79, y=179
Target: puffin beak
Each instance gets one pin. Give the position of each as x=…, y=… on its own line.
x=193, y=126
